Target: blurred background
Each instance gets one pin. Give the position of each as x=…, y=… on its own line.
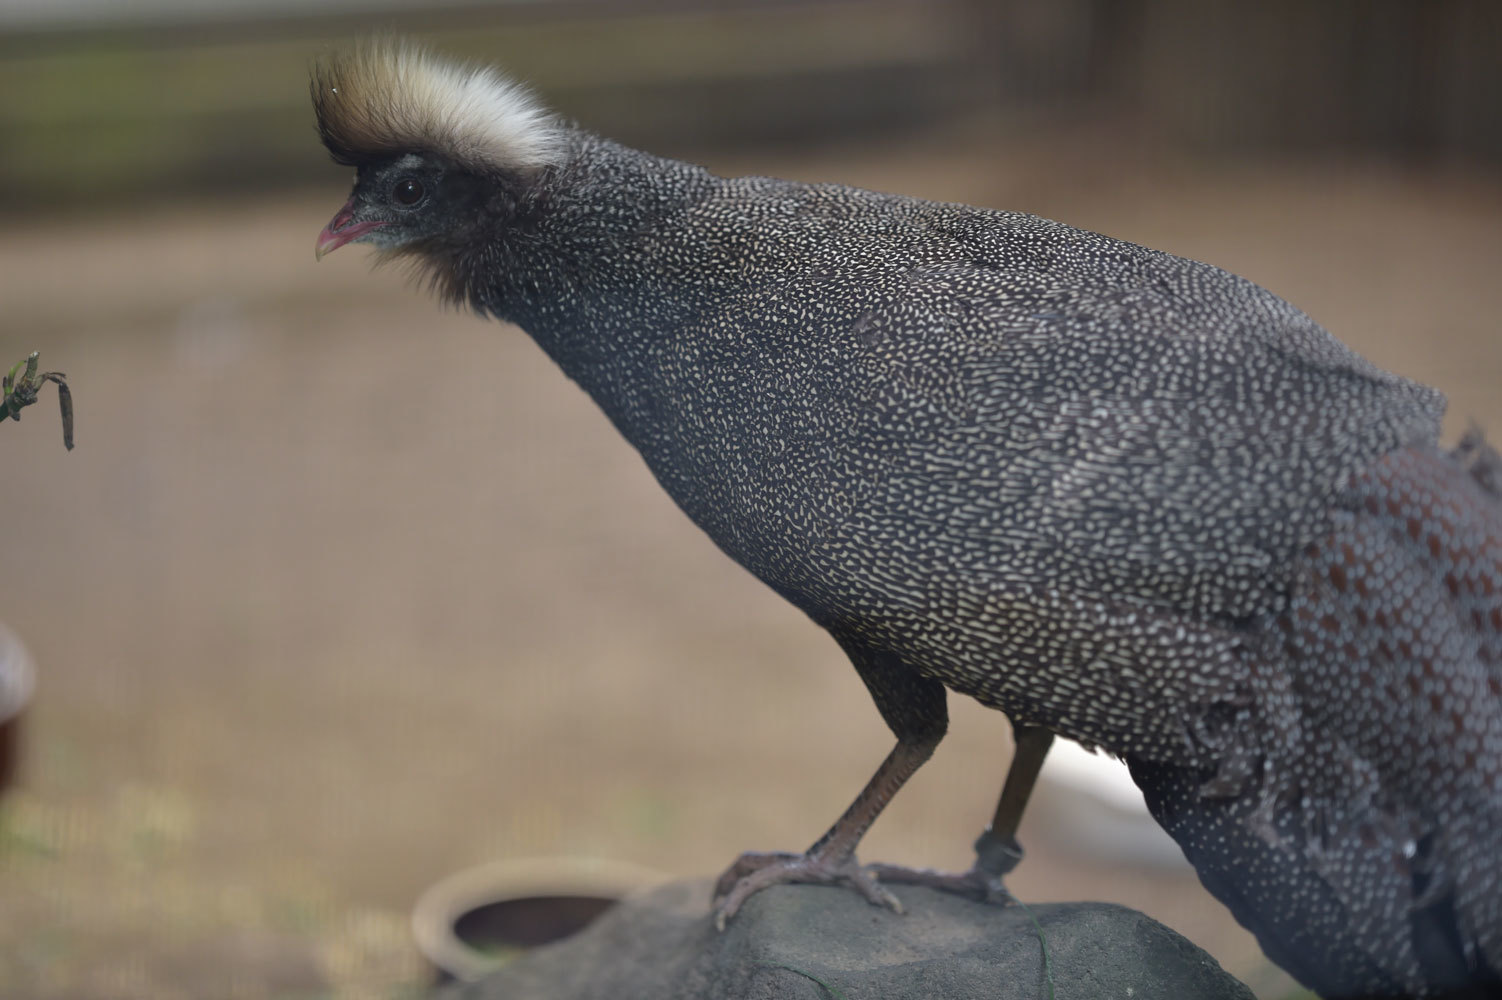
x=342, y=592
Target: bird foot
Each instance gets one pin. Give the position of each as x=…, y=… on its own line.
x=753, y=872
x=977, y=884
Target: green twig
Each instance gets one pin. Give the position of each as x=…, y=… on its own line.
x=1043, y=941
x=832, y=991
x=22, y=392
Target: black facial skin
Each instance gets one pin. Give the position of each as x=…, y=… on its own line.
x=426, y=201
x=452, y=219
x=421, y=201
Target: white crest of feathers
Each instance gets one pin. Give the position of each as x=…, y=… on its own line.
x=389, y=96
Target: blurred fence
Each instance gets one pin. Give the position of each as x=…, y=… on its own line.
x=186, y=96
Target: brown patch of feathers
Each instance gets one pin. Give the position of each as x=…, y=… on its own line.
x=1480, y=459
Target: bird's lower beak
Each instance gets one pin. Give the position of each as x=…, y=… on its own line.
x=342, y=229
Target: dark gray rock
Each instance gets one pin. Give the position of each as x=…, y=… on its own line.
x=661, y=945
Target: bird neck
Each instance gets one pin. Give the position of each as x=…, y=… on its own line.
x=590, y=255
x=595, y=279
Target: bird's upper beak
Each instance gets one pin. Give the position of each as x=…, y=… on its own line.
x=342, y=229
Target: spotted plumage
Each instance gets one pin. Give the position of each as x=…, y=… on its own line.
x=1127, y=497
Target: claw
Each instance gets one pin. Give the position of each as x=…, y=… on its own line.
x=977, y=884
x=745, y=865
x=750, y=873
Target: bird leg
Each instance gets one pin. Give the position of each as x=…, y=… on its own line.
x=832, y=858
x=913, y=706
x=996, y=849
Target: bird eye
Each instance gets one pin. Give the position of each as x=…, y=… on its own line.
x=408, y=191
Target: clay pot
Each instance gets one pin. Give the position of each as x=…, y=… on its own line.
x=470, y=923
x=17, y=678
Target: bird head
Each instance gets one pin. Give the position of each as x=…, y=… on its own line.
x=442, y=152
x=394, y=204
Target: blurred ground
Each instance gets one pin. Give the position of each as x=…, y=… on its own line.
x=341, y=592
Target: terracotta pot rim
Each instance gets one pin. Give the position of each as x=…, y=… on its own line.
x=17, y=675
x=440, y=906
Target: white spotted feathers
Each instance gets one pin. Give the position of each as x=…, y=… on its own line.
x=387, y=97
x=1118, y=494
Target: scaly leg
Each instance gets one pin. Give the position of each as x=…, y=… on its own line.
x=913, y=706
x=996, y=849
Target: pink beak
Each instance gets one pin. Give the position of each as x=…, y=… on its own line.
x=341, y=230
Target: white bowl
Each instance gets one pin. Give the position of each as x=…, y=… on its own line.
x=514, y=905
